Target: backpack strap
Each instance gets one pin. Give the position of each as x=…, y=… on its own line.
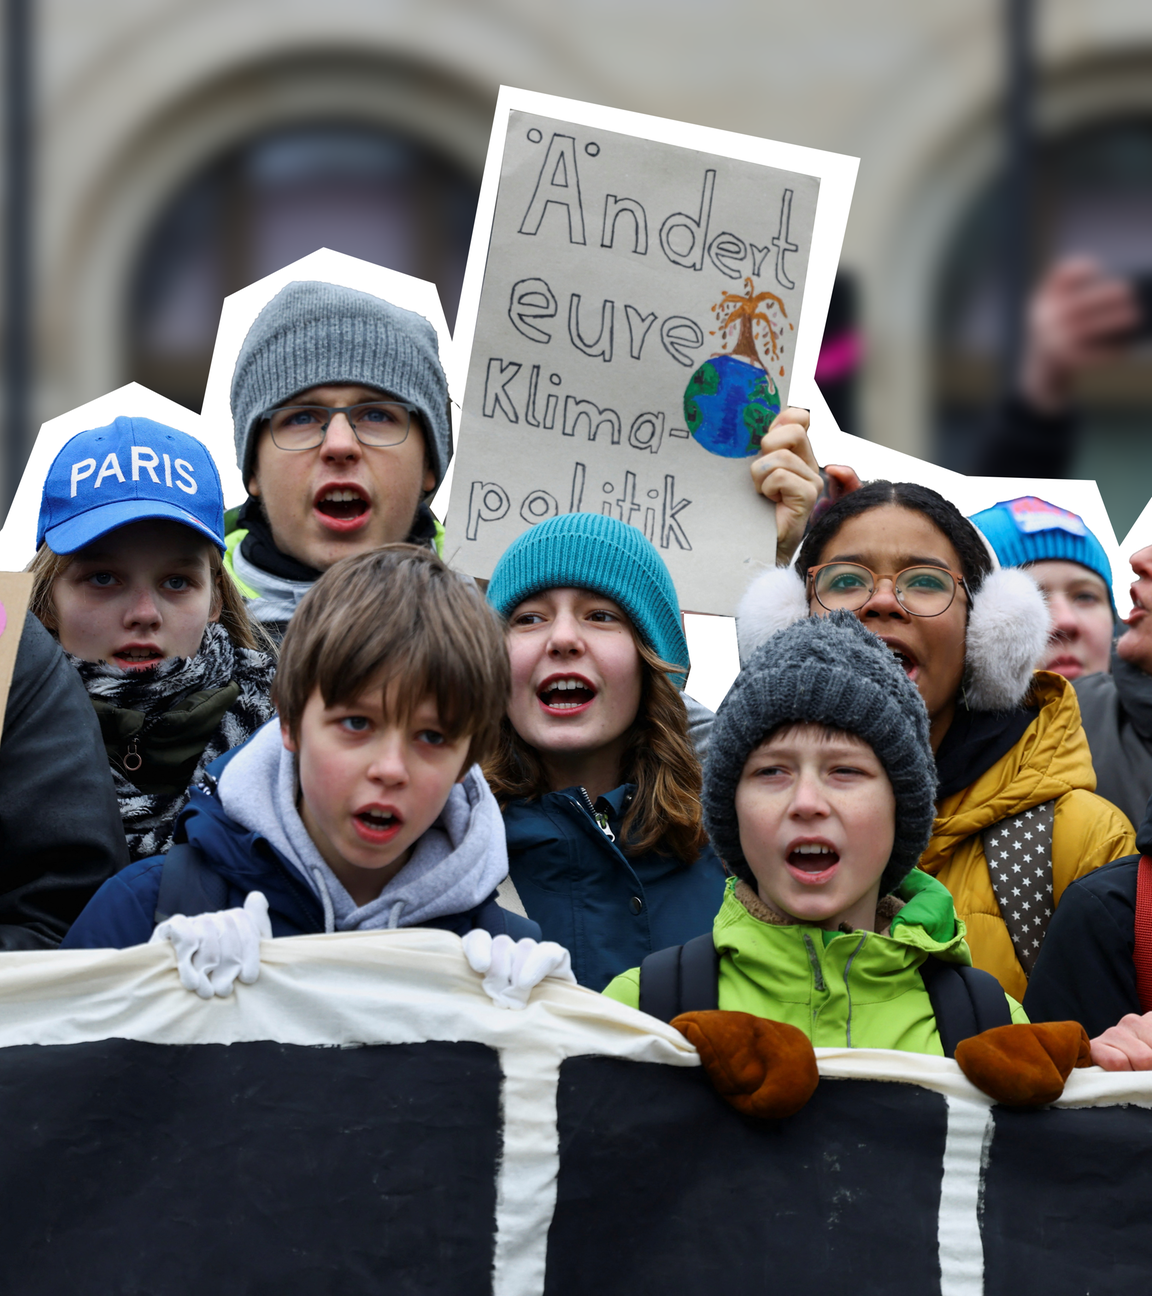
x=965, y=1001
x=1019, y=855
x=187, y=885
x=681, y=978
x=1142, y=951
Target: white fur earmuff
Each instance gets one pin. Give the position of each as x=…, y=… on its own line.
x=775, y=600
x=1008, y=630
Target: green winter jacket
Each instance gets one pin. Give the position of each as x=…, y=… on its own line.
x=856, y=989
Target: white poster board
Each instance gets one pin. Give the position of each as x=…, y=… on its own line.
x=712, y=640
x=641, y=297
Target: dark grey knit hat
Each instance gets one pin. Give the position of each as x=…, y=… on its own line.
x=314, y=334
x=826, y=671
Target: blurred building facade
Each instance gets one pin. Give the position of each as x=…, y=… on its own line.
x=186, y=147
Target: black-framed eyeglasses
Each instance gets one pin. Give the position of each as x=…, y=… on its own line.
x=373, y=423
x=920, y=591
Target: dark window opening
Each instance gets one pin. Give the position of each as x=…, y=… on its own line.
x=277, y=198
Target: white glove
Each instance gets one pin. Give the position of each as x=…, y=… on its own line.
x=213, y=949
x=512, y=969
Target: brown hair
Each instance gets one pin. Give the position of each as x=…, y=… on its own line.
x=227, y=601
x=665, y=813
x=400, y=619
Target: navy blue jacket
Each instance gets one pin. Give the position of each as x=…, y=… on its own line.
x=121, y=913
x=1084, y=971
x=608, y=909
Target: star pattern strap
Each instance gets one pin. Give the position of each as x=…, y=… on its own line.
x=1019, y=855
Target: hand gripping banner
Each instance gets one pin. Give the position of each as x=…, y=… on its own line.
x=364, y=1120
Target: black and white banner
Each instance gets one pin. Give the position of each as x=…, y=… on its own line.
x=364, y=1120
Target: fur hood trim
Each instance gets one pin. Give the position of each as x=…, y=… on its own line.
x=1007, y=630
x=1007, y=635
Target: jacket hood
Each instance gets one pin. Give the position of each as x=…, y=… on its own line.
x=245, y=859
x=454, y=866
x=1050, y=760
x=1006, y=638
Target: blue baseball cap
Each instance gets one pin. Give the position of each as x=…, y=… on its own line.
x=1028, y=530
x=130, y=471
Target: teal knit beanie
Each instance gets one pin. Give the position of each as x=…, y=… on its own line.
x=593, y=552
x=1029, y=530
x=316, y=334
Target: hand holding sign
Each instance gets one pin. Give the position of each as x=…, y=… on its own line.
x=786, y=473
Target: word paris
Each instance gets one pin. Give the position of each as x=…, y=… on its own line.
x=636, y=298
x=144, y=459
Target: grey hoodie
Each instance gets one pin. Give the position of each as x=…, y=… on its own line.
x=454, y=866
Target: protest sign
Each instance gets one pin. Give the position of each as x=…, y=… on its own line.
x=641, y=298
x=363, y=1118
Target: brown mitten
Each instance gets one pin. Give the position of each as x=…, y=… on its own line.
x=762, y=1068
x=1021, y=1065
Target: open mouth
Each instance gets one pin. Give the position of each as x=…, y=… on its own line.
x=909, y=665
x=380, y=820
x=566, y=694
x=812, y=862
x=136, y=658
x=377, y=825
x=341, y=503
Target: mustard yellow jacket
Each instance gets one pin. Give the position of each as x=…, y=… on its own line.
x=1051, y=762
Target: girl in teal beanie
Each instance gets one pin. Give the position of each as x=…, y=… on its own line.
x=595, y=773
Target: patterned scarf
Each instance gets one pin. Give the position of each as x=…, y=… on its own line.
x=164, y=725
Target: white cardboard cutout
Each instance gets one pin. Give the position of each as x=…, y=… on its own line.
x=18, y=537
x=770, y=191
x=1138, y=537
x=712, y=640
x=969, y=494
x=240, y=311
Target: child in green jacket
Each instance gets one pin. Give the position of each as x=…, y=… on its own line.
x=819, y=796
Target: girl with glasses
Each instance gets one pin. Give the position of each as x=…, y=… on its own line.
x=1007, y=739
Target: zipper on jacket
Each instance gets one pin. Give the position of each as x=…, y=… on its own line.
x=848, y=989
x=600, y=820
x=813, y=958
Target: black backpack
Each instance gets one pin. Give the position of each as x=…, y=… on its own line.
x=685, y=978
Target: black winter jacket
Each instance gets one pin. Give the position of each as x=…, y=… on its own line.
x=1085, y=971
x=60, y=831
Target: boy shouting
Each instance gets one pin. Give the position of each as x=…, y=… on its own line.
x=361, y=806
x=819, y=796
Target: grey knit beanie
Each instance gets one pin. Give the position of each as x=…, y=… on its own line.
x=314, y=334
x=825, y=671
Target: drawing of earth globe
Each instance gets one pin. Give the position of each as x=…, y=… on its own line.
x=729, y=404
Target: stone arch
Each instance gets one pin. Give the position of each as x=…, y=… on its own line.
x=90, y=244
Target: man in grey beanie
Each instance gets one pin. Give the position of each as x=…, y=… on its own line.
x=342, y=429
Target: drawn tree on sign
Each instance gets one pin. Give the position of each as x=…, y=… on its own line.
x=749, y=315
x=732, y=398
